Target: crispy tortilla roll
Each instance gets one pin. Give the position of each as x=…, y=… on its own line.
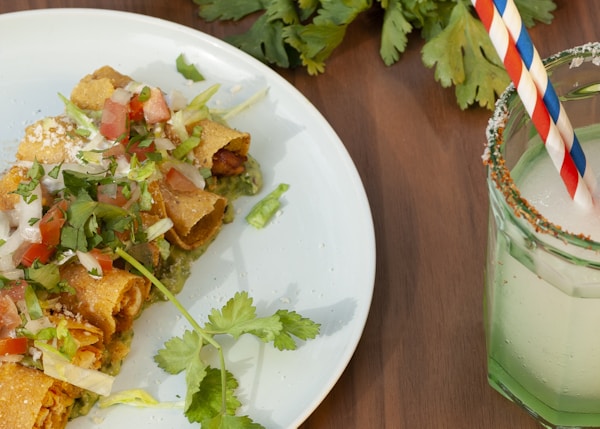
x=111, y=302
x=93, y=89
x=223, y=150
x=197, y=216
x=50, y=141
x=31, y=399
x=217, y=137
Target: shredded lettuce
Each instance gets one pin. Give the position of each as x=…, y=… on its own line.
x=266, y=208
x=85, y=125
x=136, y=398
x=57, y=366
x=228, y=113
x=188, y=71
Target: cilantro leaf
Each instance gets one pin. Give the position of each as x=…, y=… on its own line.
x=230, y=422
x=207, y=400
x=284, y=10
x=183, y=354
x=315, y=43
x=296, y=325
x=178, y=352
x=465, y=57
x=317, y=40
x=212, y=10
x=264, y=41
x=26, y=188
x=195, y=375
x=238, y=316
x=394, y=32
x=307, y=32
x=210, y=398
x=532, y=10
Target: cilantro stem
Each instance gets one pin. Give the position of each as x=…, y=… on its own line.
x=203, y=334
x=156, y=282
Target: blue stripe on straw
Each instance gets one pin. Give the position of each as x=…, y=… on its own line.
x=550, y=98
x=501, y=6
x=551, y=101
x=525, y=47
x=578, y=155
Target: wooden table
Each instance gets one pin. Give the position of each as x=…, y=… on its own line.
x=421, y=360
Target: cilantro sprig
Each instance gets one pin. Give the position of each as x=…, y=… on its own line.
x=289, y=33
x=210, y=392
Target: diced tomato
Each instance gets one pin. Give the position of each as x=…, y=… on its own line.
x=15, y=290
x=116, y=151
x=114, y=123
x=38, y=251
x=52, y=222
x=105, y=195
x=9, y=315
x=141, y=151
x=136, y=108
x=103, y=258
x=178, y=182
x=13, y=346
x=155, y=108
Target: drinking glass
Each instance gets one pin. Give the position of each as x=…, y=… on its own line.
x=542, y=282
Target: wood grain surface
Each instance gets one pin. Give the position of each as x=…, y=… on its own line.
x=421, y=360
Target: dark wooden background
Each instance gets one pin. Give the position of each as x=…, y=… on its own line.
x=421, y=360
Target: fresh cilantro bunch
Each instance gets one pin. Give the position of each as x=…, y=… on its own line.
x=288, y=33
x=210, y=396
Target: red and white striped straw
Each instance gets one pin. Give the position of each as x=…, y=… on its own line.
x=534, y=105
x=507, y=9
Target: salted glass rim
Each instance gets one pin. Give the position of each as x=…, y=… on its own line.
x=500, y=175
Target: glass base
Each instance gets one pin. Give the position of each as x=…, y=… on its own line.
x=546, y=416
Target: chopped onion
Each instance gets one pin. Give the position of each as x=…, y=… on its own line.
x=177, y=100
x=98, y=142
x=64, y=257
x=6, y=260
x=35, y=326
x=159, y=228
x=4, y=226
x=164, y=143
x=123, y=167
x=14, y=274
x=121, y=96
x=90, y=263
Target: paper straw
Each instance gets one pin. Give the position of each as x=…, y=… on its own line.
x=512, y=19
x=532, y=101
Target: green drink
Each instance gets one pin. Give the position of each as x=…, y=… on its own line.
x=542, y=299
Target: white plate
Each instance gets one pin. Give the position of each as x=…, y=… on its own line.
x=317, y=257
